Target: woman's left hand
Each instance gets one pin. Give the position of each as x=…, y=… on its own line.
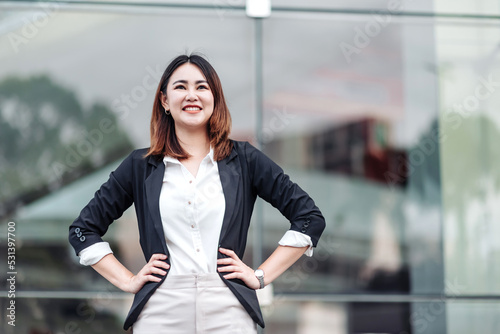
x=237, y=269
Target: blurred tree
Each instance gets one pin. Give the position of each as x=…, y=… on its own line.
x=48, y=139
x=470, y=157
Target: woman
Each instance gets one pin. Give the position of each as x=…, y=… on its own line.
x=194, y=190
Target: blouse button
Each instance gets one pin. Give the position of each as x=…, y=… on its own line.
x=189, y=202
x=190, y=181
x=192, y=226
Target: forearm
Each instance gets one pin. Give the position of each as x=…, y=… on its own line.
x=279, y=261
x=111, y=269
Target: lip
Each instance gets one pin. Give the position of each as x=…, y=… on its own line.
x=192, y=106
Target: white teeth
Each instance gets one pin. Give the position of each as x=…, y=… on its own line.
x=192, y=108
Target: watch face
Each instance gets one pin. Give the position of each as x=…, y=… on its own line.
x=259, y=273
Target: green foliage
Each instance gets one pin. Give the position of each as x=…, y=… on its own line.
x=47, y=138
x=469, y=157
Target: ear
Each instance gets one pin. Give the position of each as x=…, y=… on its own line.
x=164, y=102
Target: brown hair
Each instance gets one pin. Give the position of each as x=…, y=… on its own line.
x=163, y=138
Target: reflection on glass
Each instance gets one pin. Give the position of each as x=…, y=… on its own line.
x=337, y=129
x=471, y=180
x=288, y=316
x=410, y=194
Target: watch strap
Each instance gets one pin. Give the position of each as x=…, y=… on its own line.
x=260, y=278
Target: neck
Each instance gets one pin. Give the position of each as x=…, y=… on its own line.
x=196, y=143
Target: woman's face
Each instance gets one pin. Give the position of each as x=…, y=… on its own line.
x=189, y=97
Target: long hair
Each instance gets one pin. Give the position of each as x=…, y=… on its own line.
x=164, y=141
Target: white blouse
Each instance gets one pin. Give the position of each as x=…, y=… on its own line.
x=192, y=210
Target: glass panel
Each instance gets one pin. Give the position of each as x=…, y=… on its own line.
x=478, y=7
x=473, y=317
x=335, y=4
x=62, y=315
x=301, y=317
x=97, y=96
x=76, y=93
x=469, y=81
x=351, y=112
x=357, y=131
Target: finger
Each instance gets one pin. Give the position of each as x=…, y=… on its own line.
x=228, y=252
x=150, y=268
x=158, y=271
x=148, y=275
x=157, y=257
x=152, y=278
x=228, y=268
x=161, y=264
x=154, y=270
x=140, y=279
x=232, y=275
x=227, y=260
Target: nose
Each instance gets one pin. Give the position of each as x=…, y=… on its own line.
x=191, y=95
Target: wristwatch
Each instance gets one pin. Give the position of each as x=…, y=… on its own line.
x=259, y=273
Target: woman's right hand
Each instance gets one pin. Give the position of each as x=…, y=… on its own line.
x=154, y=266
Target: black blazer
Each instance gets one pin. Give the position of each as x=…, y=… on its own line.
x=245, y=174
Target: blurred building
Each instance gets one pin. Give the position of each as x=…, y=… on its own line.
x=384, y=111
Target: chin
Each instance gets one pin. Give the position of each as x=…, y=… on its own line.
x=196, y=124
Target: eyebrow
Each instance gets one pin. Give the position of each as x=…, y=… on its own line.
x=185, y=82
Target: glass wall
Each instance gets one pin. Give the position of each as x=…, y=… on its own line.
x=469, y=119
x=383, y=111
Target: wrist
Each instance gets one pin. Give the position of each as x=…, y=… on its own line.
x=126, y=284
x=259, y=274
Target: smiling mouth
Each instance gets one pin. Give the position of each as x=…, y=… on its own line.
x=191, y=109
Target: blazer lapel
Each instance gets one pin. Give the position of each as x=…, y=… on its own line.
x=229, y=173
x=152, y=190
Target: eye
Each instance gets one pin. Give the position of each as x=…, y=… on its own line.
x=179, y=87
x=202, y=87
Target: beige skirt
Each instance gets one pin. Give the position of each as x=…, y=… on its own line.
x=194, y=304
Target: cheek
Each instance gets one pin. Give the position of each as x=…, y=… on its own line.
x=209, y=98
x=176, y=98
x=211, y=102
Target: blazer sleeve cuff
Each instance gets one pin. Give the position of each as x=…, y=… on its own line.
x=94, y=253
x=297, y=239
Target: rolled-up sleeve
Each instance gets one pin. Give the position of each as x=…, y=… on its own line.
x=93, y=254
x=108, y=204
x=296, y=239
